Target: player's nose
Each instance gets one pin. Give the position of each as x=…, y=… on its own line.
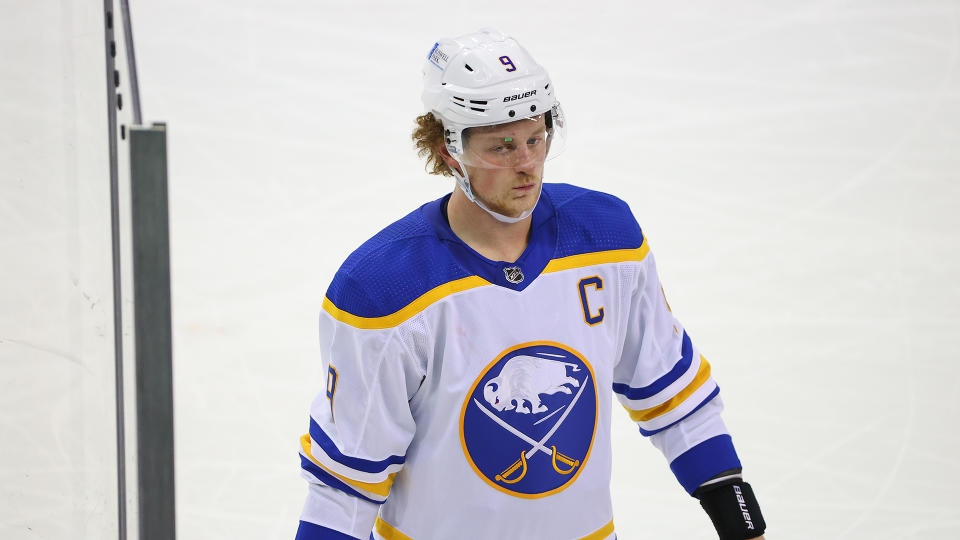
x=526, y=159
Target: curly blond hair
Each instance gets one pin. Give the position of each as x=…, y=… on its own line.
x=428, y=139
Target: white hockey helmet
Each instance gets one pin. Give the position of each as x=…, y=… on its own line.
x=485, y=79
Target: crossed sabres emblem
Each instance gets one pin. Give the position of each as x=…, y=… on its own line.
x=515, y=377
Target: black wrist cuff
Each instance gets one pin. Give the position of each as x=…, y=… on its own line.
x=733, y=509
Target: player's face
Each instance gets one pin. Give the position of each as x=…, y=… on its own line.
x=505, y=164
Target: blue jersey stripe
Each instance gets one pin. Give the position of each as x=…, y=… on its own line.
x=312, y=531
x=331, y=480
x=716, y=391
x=704, y=461
x=681, y=367
x=359, y=464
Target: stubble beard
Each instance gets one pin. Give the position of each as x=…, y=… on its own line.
x=513, y=204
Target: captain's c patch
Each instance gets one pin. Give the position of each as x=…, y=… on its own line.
x=527, y=424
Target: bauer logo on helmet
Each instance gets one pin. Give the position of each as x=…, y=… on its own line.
x=520, y=96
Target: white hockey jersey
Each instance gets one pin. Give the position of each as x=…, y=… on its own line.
x=471, y=399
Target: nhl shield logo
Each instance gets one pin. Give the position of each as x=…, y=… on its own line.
x=514, y=274
x=528, y=422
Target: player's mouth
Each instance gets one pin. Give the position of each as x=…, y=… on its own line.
x=525, y=187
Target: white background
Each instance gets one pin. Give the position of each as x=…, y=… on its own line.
x=794, y=166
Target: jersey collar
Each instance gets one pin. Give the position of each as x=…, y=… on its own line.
x=539, y=251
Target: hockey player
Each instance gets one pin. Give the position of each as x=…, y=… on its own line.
x=473, y=348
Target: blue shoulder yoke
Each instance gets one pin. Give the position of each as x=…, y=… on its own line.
x=419, y=252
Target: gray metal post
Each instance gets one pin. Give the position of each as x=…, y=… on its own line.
x=110, y=50
x=152, y=326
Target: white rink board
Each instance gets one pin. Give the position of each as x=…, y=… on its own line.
x=58, y=473
x=795, y=168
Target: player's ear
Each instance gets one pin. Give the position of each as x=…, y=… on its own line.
x=447, y=158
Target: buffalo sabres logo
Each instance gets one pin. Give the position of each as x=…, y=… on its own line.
x=528, y=422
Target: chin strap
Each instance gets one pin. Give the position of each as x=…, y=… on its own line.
x=464, y=182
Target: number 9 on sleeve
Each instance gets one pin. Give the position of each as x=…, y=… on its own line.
x=331, y=387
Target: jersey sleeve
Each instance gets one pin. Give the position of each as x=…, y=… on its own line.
x=360, y=427
x=666, y=386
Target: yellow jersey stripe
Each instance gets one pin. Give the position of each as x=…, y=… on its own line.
x=388, y=321
x=598, y=257
x=452, y=287
x=600, y=533
x=389, y=532
x=382, y=488
x=649, y=414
